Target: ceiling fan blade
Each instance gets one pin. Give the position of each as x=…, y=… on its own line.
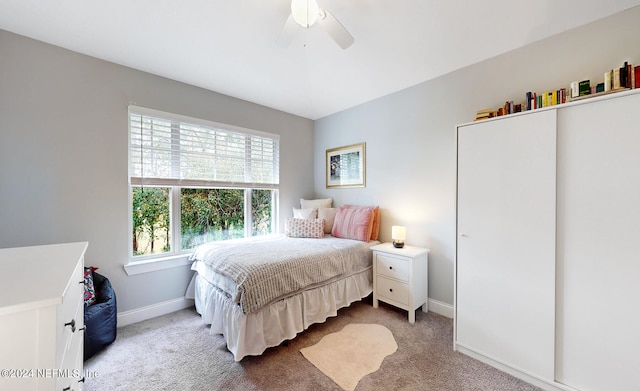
x=288, y=32
x=335, y=29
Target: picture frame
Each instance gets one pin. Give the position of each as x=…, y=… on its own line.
x=346, y=166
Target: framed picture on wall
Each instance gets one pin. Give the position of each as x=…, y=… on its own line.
x=346, y=166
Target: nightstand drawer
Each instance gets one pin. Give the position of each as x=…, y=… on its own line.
x=394, y=267
x=391, y=289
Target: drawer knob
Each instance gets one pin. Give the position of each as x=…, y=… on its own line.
x=72, y=324
x=390, y=290
x=390, y=267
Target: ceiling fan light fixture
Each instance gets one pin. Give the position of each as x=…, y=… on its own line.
x=305, y=12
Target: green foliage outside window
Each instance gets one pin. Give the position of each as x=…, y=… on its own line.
x=150, y=220
x=211, y=214
x=261, y=202
x=206, y=215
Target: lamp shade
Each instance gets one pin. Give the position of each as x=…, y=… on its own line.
x=398, y=233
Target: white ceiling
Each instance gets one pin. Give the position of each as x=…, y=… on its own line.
x=229, y=46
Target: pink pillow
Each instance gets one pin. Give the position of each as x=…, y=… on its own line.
x=304, y=228
x=353, y=223
x=375, y=217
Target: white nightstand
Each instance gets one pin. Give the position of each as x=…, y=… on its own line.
x=400, y=277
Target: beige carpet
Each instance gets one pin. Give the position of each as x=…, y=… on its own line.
x=352, y=353
x=177, y=352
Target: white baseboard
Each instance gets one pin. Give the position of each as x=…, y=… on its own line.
x=534, y=380
x=148, y=312
x=441, y=308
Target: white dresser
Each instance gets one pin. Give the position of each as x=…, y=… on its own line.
x=42, y=317
x=400, y=277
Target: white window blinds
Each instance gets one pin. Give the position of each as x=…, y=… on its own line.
x=172, y=150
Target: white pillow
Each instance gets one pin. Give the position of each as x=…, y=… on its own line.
x=328, y=214
x=308, y=213
x=317, y=203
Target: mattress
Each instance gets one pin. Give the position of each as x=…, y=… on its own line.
x=257, y=271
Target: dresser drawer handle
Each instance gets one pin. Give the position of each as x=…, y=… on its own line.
x=67, y=388
x=72, y=324
x=390, y=290
x=390, y=267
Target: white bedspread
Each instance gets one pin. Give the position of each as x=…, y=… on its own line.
x=251, y=334
x=256, y=271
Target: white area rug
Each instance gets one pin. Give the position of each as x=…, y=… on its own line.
x=352, y=353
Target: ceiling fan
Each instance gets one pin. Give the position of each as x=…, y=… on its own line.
x=305, y=13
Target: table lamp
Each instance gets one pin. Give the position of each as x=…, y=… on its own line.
x=398, y=234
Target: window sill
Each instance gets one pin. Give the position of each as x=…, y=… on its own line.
x=156, y=264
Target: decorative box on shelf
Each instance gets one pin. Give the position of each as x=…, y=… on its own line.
x=400, y=277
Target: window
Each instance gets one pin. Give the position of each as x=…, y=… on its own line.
x=194, y=181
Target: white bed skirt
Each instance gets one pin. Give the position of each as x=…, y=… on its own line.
x=251, y=334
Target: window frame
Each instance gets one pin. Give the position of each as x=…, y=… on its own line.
x=178, y=256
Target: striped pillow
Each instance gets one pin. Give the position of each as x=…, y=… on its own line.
x=353, y=223
x=375, y=230
x=304, y=228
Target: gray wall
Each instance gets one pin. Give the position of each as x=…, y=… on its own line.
x=63, y=144
x=410, y=135
x=63, y=155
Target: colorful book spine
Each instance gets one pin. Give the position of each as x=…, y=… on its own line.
x=607, y=81
x=623, y=76
x=575, y=90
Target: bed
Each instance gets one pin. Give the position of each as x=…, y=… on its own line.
x=261, y=291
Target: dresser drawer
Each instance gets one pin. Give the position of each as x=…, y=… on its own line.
x=70, y=311
x=392, y=289
x=70, y=370
x=394, y=267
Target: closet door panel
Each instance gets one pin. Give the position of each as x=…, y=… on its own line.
x=599, y=245
x=505, y=288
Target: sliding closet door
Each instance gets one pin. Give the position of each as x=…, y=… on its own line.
x=599, y=245
x=505, y=276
